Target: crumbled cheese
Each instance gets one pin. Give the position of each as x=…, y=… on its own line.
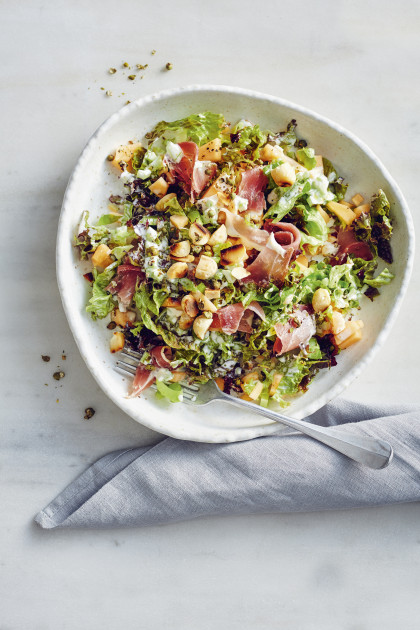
x=174, y=152
x=240, y=204
x=162, y=374
x=144, y=173
x=329, y=249
x=126, y=177
x=272, y=244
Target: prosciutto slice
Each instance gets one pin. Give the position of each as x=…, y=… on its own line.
x=124, y=283
x=233, y=318
x=189, y=171
x=142, y=380
x=251, y=188
x=269, y=266
x=284, y=233
x=161, y=356
x=348, y=244
x=252, y=238
x=296, y=333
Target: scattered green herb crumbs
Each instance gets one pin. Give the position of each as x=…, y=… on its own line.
x=112, y=70
x=153, y=52
x=58, y=375
x=108, y=93
x=89, y=413
x=169, y=66
x=139, y=66
x=125, y=65
x=110, y=157
x=131, y=77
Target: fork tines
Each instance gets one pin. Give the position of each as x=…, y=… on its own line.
x=129, y=366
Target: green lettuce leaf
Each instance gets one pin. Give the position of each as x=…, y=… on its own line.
x=101, y=302
x=337, y=185
x=306, y=156
x=383, y=278
x=375, y=227
x=198, y=128
x=314, y=223
x=106, y=219
x=251, y=138
x=288, y=197
x=171, y=391
x=120, y=251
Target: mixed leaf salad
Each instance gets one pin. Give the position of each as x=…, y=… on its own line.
x=233, y=254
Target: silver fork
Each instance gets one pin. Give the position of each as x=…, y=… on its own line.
x=368, y=451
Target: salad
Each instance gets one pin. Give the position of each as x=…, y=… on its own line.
x=232, y=253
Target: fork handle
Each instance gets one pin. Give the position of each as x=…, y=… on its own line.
x=368, y=451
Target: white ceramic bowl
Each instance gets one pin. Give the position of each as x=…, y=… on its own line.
x=93, y=181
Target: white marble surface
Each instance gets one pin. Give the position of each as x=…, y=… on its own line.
x=355, y=62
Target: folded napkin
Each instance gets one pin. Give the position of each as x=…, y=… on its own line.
x=177, y=480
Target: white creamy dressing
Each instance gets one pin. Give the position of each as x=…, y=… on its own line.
x=152, y=261
x=162, y=374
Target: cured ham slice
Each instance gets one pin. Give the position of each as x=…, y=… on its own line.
x=234, y=317
x=251, y=188
x=252, y=238
x=269, y=266
x=348, y=244
x=142, y=380
x=284, y=233
x=296, y=333
x=161, y=356
x=192, y=174
x=124, y=283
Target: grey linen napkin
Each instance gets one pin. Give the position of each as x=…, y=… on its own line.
x=178, y=480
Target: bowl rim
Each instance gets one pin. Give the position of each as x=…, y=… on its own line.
x=242, y=433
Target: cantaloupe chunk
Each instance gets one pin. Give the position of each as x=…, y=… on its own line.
x=323, y=214
x=159, y=187
x=357, y=199
x=350, y=335
x=102, y=256
x=212, y=151
x=363, y=209
x=124, y=154
x=342, y=212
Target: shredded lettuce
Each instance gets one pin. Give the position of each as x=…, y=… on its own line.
x=315, y=224
x=198, y=128
x=287, y=197
x=171, y=391
x=375, y=227
x=306, y=156
x=101, y=302
x=337, y=185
